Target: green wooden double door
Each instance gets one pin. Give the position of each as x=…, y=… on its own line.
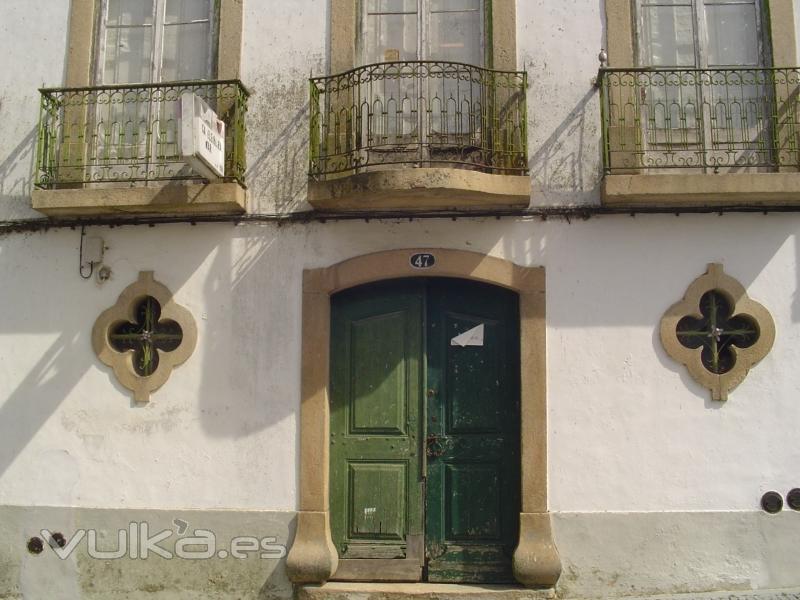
x=424, y=433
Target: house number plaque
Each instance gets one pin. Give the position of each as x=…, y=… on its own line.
x=423, y=260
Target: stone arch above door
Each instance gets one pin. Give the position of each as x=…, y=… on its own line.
x=312, y=557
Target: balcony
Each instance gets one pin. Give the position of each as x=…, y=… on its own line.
x=107, y=150
x=700, y=137
x=418, y=135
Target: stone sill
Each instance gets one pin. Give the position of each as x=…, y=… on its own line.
x=163, y=199
x=726, y=189
x=418, y=189
x=427, y=591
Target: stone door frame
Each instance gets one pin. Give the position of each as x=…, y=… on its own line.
x=313, y=557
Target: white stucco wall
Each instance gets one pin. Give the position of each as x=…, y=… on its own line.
x=555, y=38
x=283, y=44
x=286, y=42
x=33, y=43
x=629, y=432
x=629, y=429
x=232, y=413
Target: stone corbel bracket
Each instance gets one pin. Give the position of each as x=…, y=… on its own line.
x=716, y=280
x=123, y=310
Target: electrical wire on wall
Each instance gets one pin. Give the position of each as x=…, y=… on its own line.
x=80, y=257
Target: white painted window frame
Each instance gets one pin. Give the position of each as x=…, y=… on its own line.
x=701, y=30
x=701, y=42
x=156, y=55
x=423, y=12
x=158, y=26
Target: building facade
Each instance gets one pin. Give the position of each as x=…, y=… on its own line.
x=485, y=292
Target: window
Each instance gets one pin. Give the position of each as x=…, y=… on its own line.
x=711, y=105
x=153, y=41
x=690, y=89
x=400, y=30
x=130, y=65
x=450, y=31
x=428, y=89
x=144, y=336
x=700, y=33
x=147, y=41
x=717, y=332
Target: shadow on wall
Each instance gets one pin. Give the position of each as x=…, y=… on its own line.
x=249, y=324
x=682, y=372
x=277, y=172
x=16, y=176
x=64, y=363
x=248, y=308
x=597, y=265
x=251, y=332
x=40, y=393
x=558, y=165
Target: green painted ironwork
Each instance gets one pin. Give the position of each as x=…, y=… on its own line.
x=418, y=113
x=674, y=118
x=129, y=133
x=146, y=336
x=717, y=332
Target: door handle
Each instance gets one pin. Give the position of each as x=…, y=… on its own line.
x=436, y=446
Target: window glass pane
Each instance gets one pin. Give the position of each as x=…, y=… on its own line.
x=186, y=52
x=186, y=10
x=393, y=6
x=128, y=55
x=130, y=12
x=439, y=5
x=669, y=36
x=390, y=38
x=732, y=37
x=456, y=36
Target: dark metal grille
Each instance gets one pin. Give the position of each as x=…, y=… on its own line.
x=670, y=118
x=146, y=336
x=418, y=113
x=128, y=133
x=717, y=332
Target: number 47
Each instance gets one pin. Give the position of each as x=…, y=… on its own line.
x=422, y=261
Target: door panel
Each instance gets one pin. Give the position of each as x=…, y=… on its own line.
x=472, y=500
x=454, y=468
x=466, y=374
x=378, y=374
x=377, y=502
x=376, y=382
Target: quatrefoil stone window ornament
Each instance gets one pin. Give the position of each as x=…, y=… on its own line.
x=144, y=336
x=717, y=332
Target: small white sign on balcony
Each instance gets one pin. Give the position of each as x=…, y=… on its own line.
x=202, y=137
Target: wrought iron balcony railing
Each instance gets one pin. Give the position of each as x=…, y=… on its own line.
x=724, y=118
x=130, y=133
x=418, y=113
